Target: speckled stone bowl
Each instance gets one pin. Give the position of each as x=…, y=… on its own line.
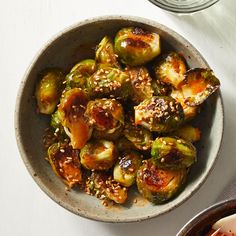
x=201, y=223
x=64, y=50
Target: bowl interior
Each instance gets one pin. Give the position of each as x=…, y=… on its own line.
x=202, y=223
x=69, y=47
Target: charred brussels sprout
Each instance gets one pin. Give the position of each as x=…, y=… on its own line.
x=138, y=135
x=86, y=67
x=126, y=168
x=161, y=114
x=171, y=69
x=107, y=117
x=173, y=153
x=188, y=132
x=189, y=111
x=71, y=112
x=79, y=74
x=105, y=53
x=48, y=91
x=123, y=144
x=198, y=85
x=141, y=84
x=58, y=129
x=65, y=163
x=105, y=188
x=98, y=155
x=159, y=185
x=110, y=82
x=55, y=120
x=136, y=46
x=76, y=80
x=159, y=88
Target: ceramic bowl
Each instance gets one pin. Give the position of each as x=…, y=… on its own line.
x=201, y=223
x=64, y=50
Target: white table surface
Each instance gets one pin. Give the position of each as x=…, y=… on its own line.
x=24, y=27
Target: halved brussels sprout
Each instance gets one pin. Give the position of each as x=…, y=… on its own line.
x=159, y=88
x=123, y=144
x=55, y=120
x=136, y=46
x=71, y=112
x=110, y=82
x=85, y=67
x=65, y=163
x=138, y=135
x=48, y=91
x=79, y=74
x=76, y=80
x=171, y=69
x=126, y=168
x=188, y=132
x=55, y=123
x=198, y=85
x=161, y=114
x=189, y=111
x=98, y=155
x=107, y=117
x=105, y=54
x=174, y=153
x=141, y=84
x=159, y=185
x=104, y=187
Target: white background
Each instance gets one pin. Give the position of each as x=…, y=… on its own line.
x=24, y=27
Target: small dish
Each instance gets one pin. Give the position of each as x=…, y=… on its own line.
x=183, y=6
x=201, y=223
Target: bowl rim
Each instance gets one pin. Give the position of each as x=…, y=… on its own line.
x=184, y=11
x=21, y=148
x=213, y=208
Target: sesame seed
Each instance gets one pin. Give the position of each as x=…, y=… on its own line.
x=162, y=160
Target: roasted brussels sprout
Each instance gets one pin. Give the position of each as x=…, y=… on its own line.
x=188, y=132
x=76, y=80
x=141, y=84
x=136, y=46
x=159, y=185
x=110, y=82
x=79, y=74
x=138, y=135
x=126, y=168
x=105, y=188
x=65, y=163
x=123, y=144
x=85, y=67
x=98, y=155
x=198, y=85
x=107, y=117
x=161, y=114
x=71, y=112
x=189, y=111
x=48, y=91
x=173, y=153
x=105, y=54
x=55, y=120
x=58, y=129
x=171, y=69
x=159, y=88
